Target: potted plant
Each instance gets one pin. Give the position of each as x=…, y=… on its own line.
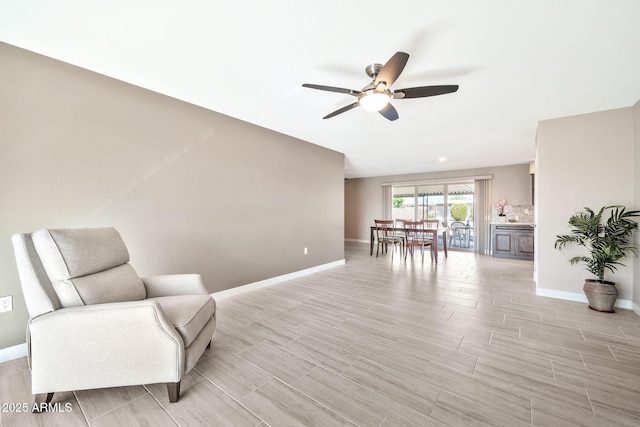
x=607, y=242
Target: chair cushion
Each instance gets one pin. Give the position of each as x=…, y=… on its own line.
x=187, y=313
x=88, y=266
x=116, y=284
x=70, y=253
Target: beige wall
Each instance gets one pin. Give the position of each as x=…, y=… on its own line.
x=190, y=190
x=363, y=196
x=584, y=160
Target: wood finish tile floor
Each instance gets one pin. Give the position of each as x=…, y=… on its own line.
x=381, y=342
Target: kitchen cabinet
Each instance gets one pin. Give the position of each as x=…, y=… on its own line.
x=512, y=241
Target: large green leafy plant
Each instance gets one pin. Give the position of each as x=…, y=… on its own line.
x=607, y=241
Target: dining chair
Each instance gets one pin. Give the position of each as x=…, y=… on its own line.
x=385, y=236
x=399, y=224
x=415, y=237
x=430, y=223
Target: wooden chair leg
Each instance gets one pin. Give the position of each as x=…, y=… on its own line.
x=41, y=401
x=174, y=391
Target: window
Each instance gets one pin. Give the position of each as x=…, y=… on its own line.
x=460, y=202
x=403, y=203
x=445, y=202
x=431, y=202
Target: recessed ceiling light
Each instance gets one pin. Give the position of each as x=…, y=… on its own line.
x=442, y=159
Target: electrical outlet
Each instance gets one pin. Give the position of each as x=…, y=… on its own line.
x=6, y=304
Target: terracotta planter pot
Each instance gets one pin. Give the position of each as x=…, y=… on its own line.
x=602, y=296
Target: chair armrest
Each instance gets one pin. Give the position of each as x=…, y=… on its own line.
x=104, y=345
x=174, y=284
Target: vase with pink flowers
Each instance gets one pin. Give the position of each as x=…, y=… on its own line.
x=500, y=204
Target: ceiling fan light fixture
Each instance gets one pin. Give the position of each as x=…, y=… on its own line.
x=373, y=100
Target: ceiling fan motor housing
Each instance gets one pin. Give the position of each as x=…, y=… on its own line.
x=373, y=70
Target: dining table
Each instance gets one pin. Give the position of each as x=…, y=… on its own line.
x=433, y=231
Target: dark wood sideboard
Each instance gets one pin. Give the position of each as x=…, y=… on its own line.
x=512, y=240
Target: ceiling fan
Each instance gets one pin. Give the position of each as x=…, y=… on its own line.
x=376, y=95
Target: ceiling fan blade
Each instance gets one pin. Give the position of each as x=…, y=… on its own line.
x=392, y=69
x=389, y=112
x=424, y=91
x=332, y=89
x=342, y=110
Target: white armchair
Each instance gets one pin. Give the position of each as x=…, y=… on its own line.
x=94, y=323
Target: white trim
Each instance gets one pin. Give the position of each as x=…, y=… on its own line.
x=635, y=307
x=274, y=280
x=357, y=240
x=11, y=353
x=20, y=350
x=570, y=296
x=579, y=297
x=453, y=180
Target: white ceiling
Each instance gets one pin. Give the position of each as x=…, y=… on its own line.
x=516, y=63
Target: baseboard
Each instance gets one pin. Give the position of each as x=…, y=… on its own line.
x=15, y=352
x=357, y=240
x=275, y=280
x=580, y=297
x=20, y=350
x=635, y=308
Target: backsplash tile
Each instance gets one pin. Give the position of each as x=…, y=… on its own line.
x=521, y=213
